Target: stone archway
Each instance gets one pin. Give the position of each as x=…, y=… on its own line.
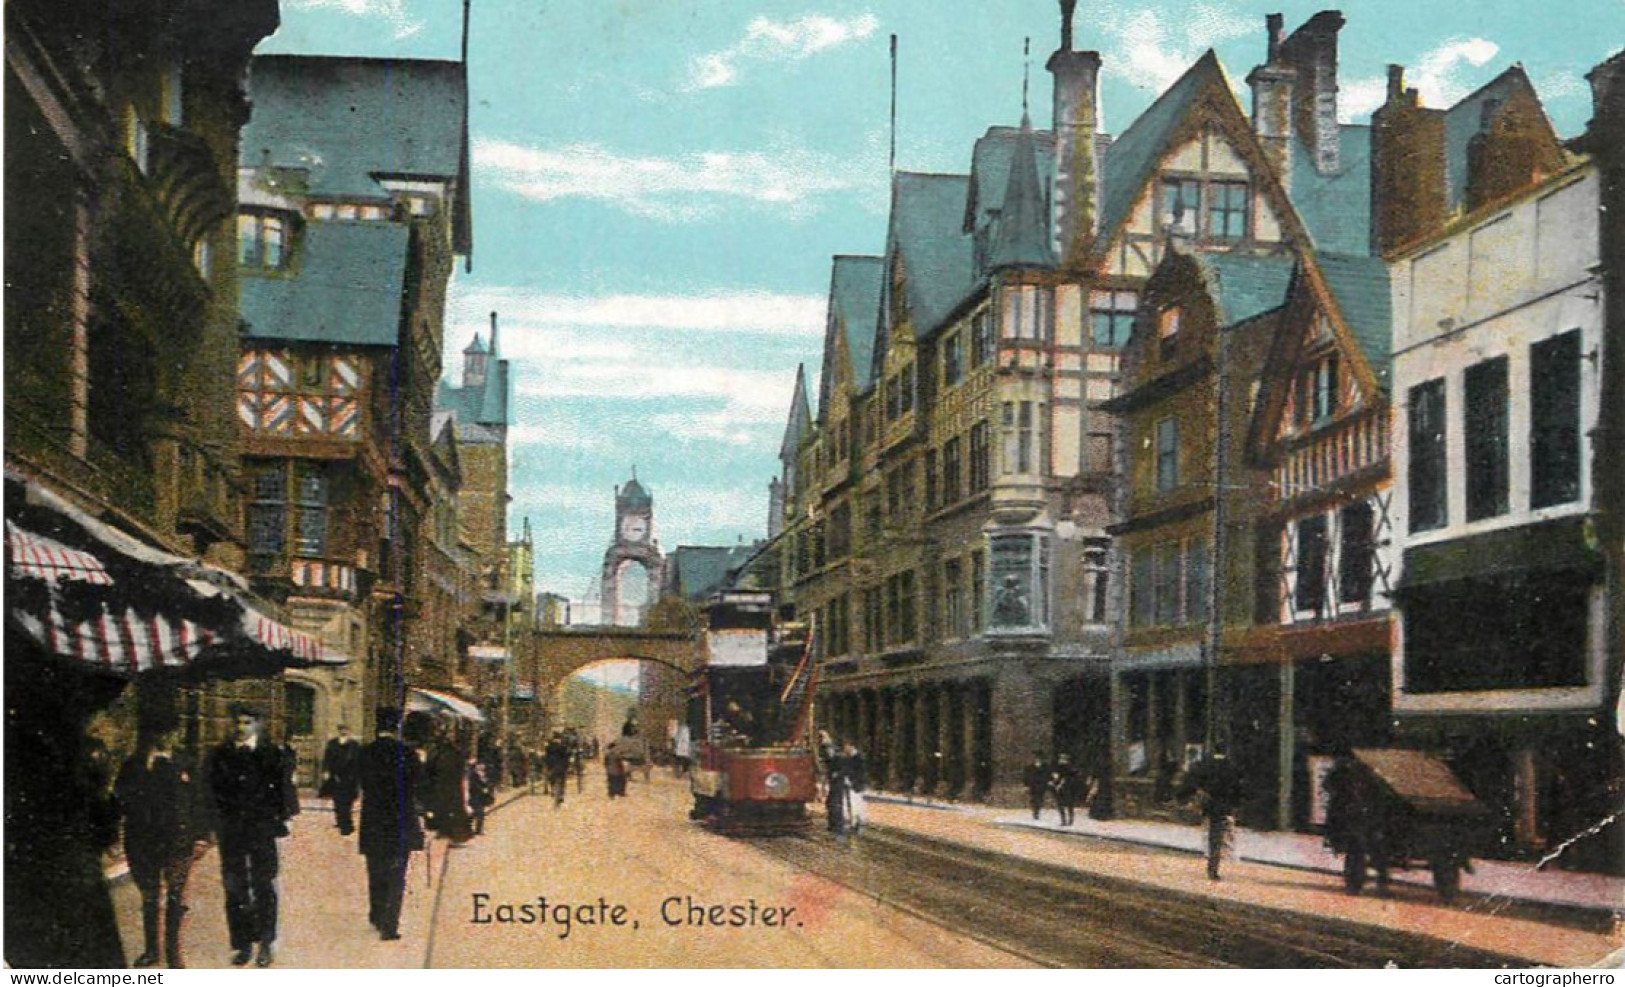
x=563, y=651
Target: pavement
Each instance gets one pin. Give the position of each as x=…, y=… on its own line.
x=1545, y=917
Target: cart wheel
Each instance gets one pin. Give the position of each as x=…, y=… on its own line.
x=1447, y=879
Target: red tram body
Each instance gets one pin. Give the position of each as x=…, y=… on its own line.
x=749, y=709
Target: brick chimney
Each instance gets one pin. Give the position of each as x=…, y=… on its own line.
x=1408, y=188
x=1512, y=150
x=1076, y=197
x=1312, y=51
x=1272, y=84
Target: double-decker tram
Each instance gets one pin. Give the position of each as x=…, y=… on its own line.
x=749, y=711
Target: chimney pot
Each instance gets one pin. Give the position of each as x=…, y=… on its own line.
x=1396, y=82
x=1273, y=25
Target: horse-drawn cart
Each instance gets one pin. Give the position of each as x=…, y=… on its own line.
x=1402, y=810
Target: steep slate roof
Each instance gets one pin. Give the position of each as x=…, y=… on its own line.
x=800, y=417
x=346, y=286
x=482, y=404
x=854, y=302
x=345, y=122
x=1360, y=285
x=927, y=231
x=700, y=570
x=1021, y=232
x=1134, y=154
x=1246, y=285
x=990, y=169
x=1336, y=209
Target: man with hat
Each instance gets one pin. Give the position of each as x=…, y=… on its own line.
x=253, y=800
x=155, y=792
x=390, y=830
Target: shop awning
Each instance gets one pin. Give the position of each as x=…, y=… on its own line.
x=433, y=701
x=90, y=593
x=38, y=557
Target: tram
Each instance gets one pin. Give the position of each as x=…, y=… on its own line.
x=749, y=712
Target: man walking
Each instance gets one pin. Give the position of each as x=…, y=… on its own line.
x=1217, y=784
x=154, y=794
x=1035, y=777
x=557, y=761
x=253, y=801
x=390, y=830
x=1068, y=786
x=341, y=779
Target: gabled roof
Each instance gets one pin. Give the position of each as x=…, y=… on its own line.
x=1360, y=286
x=1463, y=120
x=1245, y=285
x=344, y=123
x=1021, y=235
x=927, y=234
x=346, y=286
x=799, y=420
x=697, y=571
x=854, y=306
x=1133, y=156
x=1336, y=208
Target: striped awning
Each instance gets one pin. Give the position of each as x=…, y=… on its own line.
x=277, y=636
x=38, y=557
x=433, y=700
x=121, y=643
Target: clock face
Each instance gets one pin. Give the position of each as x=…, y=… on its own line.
x=634, y=528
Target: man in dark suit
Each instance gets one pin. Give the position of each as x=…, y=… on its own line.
x=253, y=801
x=155, y=792
x=390, y=829
x=341, y=777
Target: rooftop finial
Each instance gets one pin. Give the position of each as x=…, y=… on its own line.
x=1026, y=70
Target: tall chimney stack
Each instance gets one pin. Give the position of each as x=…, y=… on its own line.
x=1272, y=84
x=1409, y=196
x=1075, y=116
x=1312, y=51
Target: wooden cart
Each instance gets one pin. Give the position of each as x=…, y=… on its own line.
x=1403, y=810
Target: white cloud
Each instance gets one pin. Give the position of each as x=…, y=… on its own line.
x=1441, y=75
x=535, y=323
x=393, y=11
x=681, y=188
x=740, y=398
x=776, y=41
x=1151, y=51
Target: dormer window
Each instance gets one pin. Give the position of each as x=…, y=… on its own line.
x=262, y=240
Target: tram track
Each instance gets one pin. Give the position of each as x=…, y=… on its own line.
x=1056, y=917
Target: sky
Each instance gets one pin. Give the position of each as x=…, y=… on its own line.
x=659, y=187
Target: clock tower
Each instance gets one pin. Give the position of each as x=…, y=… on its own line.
x=633, y=544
